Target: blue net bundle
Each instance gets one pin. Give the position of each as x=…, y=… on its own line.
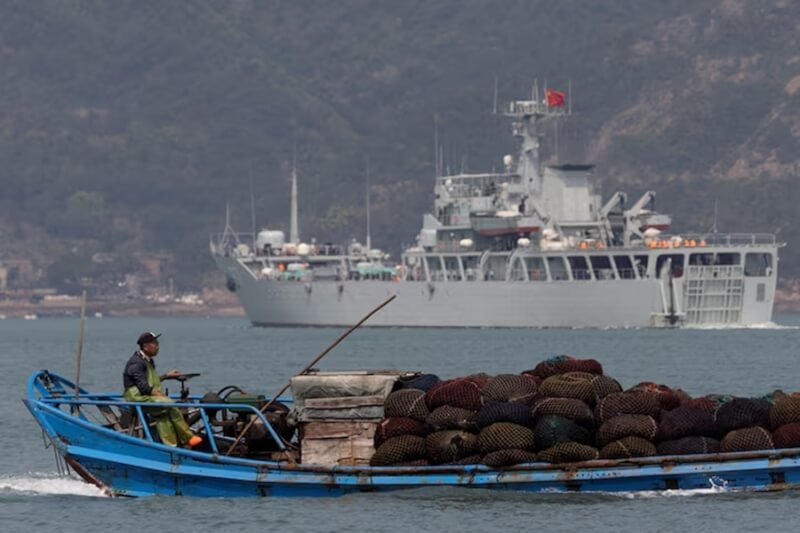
x=397, y=426
x=561, y=364
x=742, y=413
x=406, y=402
x=575, y=410
x=400, y=449
x=461, y=392
x=421, y=382
x=505, y=435
x=447, y=417
x=746, y=439
x=508, y=457
x=552, y=430
x=450, y=446
x=568, y=452
x=642, y=426
x=493, y=412
x=686, y=421
x=510, y=388
x=627, y=403
x=787, y=436
x=627, y=448
x=688, y=446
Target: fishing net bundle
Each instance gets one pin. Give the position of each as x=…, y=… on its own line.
x=399, y=450
x=552, y=430
x=688, y=446
x=480, y=379
x=686, y=421
x=742, y=413
x=576, y=410
x=471, y=460
x=627, y=403
x=628, y=447
x=396, y=426
x=508, y=457
x=462, y=392
x=668, y=398
x=502, y=435
x=493, y=412
x=510, y=388
x=785, y=410
x=561, y=364
x=579, y=385
x=450, y=445
x=747, y=439
x=622, y=426
x=710, y=402
x=787, y=436
x=406, y=402
x=421, y=382
x=568, y=452
x=447, y=417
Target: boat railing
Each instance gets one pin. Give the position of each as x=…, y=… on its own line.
x=232, y=244
x=104, y=402
x=702, y=240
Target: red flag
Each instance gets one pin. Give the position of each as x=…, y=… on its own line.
x=555, y=98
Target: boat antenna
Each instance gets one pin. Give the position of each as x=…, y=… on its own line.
x=80, y=350
x=714, y=227
x=436, y=156
x=252, y=205
x=369, y=229
x=305, y=370
x=294, y=236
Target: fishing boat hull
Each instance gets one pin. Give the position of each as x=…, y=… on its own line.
x=128, y=466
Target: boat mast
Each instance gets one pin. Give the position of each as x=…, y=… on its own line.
x=294, y=236
x=369, y=229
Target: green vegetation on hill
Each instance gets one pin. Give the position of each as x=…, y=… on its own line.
x=132, y=124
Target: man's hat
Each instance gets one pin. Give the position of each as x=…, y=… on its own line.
x=147, y=336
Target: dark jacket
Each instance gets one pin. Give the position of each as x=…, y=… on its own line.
x=136, y=373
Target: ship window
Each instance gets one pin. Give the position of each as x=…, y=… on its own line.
x=624, y=267
x=558, y=270
x=601, y=266
x=728, y=259
x=701, y=259
x=758, y=265
x=536, y=270
x=676, y=264
x=580, y=268
x=641, y=262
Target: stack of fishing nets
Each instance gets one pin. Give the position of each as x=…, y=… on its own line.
x=567, y=410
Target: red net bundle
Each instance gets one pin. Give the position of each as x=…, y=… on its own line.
x=747, y=439
x=406, y=402
x=785, y=410
x=787, y=436
x=575, y=410
x=616, y=428
x=627, y=403
x=568, y=452
x=628, y=447
x=668, y=398
x=504, y=435
x=561, y=364
x=397, y=426
x=688, y=446
x=686, y=421
x=462, y=392
x=510, y=388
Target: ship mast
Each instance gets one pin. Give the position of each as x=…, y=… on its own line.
x=294, y=236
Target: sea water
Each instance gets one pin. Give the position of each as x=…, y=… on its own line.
x=750, y=361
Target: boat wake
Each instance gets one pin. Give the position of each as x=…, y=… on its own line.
x=762, y=326
x=47, y=484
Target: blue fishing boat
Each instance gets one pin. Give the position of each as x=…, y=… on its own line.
x=124, y=458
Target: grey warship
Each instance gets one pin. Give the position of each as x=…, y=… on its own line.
x=533, y=246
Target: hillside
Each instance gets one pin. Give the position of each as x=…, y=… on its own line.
x=127, y=126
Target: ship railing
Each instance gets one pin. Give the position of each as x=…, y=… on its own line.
x=104, y=402
x=229, y=244
x=701, y=240
x=470, y=185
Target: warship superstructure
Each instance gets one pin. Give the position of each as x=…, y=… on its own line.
x=532, y=246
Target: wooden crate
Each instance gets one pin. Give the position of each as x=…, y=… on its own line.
x=337, y=443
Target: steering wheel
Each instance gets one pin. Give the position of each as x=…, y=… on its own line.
x=185, y=376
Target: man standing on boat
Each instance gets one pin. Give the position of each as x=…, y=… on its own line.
x=143, y=384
